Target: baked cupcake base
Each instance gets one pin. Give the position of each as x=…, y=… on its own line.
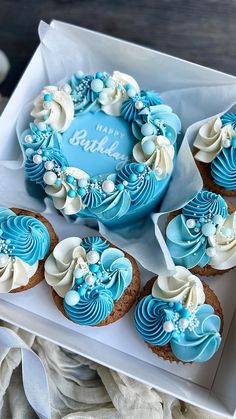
x=121, y=306
x=39, y=274
x=165, y=351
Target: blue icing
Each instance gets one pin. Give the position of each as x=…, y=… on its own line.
x=114, y=206
x=149, y=317
x=83, y=97
x=5, y=213
x=98, y=143
x=35, y=172
x=41, y=138
x=94, y=243
x=206, y=204
x=223, y=168
x=29, y=238
x=128, y=110
x=152, y=98
x=187, y=247
x=93, y=198
x=119, y=271
x=93, y=307
x=229, y=118
x=201, y=343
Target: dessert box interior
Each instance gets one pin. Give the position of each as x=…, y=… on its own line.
x=209, y=385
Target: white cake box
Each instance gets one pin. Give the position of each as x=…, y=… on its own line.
x=210, y=385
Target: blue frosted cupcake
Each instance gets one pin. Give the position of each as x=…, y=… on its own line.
x=94, y=283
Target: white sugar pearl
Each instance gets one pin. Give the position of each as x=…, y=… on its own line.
x=28, y=139
x=41, y=126
x=3, y=260
x=46, y=105
x=168, y=326
x=66, y=88
x=92, y=257
x=210, y=251
x=72, y=298
x=103, y=96
x=50, y=178
x=125, y=182
x=82, y=183
x=183, y=323
x=108, y=186
x=37, y=159
x=78, y=273
x=190, y=223
x=89, y=280
x=139, y=104
x=49, y=165
x=226, y=143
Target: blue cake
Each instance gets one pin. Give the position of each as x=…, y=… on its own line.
x=101, y=147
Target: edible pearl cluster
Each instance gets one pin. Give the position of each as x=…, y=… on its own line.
x=39, y=132
x=182, y=319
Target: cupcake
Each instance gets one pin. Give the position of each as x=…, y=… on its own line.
x=202, y=236
x=93, y=283
x=179, y=317
x=25, y=240
x=215, y=154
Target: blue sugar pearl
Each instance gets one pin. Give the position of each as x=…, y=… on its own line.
x=47, y=97
x=132, y=177
x=202, y=220
x=140, y=168
x=147, y=177
x=128, y=86
x=99, y=274
x=99, y=75
x=29, y=152
x=71, y=193
x=147, y=129
x=233, y=141
x=78, y=273
x=198, y=225
x=34, y=137
x=58, y=182
x=97, y=85
x=185, y=313
x=46, y=153
x=120, y=187
x=175, y=335
x=70, y=179
x=178, y=306
x=82, y=290
x=208, y=229
x=148, y=147
x=110, y=83
x=72, y=298
x=171, y=304
x=131, y=92
x=8, y=241
x=81, y=192
x=169, y=134
x=93, y=268
x=79, y=281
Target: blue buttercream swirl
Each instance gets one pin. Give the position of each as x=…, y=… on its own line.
x=29, y=238
x=93, y=307
x=149, y=317
x=187, y=246
x=205, y=205
x=5, y=213
x=229, y=118
x=35, y=172
x=83, y=97
x=119, y=269
x=143, y=188
x=114, y=205
x=152, y=98
x=94, y=243
x=223, y=168
x=201, y=343
x=93, y=198
x=128, y=110
x=45, y=138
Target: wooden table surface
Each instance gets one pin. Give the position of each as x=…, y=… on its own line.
x=202, y=31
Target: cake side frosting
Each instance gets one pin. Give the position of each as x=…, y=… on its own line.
x=89, y=275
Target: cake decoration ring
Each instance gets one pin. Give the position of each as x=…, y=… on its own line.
x=101, y=147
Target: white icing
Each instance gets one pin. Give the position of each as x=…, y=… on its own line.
x=224, y=245
x=60, y=113
x=181, y=286
x=113, y=97
x=15, y=273
x=67, y=256
x=161, y=160
x=210, y=139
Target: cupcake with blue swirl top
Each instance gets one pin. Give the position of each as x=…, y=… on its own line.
x=179, y=317
x=25, y=240
x=202, y=236
x=215, y=154
x=94, y=283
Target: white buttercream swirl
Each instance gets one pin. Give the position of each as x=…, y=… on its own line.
x=210, y=139
x=181, y=286
x=15, y=273
x=61, y=112
x=161, y=159
x=113, y=97
x=224, y=244
x=67, y=256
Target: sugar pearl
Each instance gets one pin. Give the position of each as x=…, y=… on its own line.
x=218, y=219
x=78, y=273
x=168, y=326
x=92, y=257
x=3, y=260
x=210, y=251
x=190, y=223
x=50, y=178
x=148, y=147
x=72, y=298
x=89, y=280
x=42, y=126
x=183, y=323
x=82, y=183
x=28, y=139
x=108, y=186
x=226, y=143
x=139, y=104
x=208, y=229
x=49, y=165
x=147, y=129
x=37, y=159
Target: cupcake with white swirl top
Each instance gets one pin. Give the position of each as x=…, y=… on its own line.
x=179, y=317
x=93, y=283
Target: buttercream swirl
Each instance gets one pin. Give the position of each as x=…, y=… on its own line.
x=29, y=238
x=149, y=318
x=129, y=111
x=180, y=287
x=187, y=246
x=224, y=244
x=160, y=159
x=229, y=118
x=35, y=171
x=211, y=139
x=94, y=243
x=5, y=213
x=119, y=270
x=223, y=168
x=114, y=206
x=62, y=200
x=205, y=205
x=83, y=97
x=201, y=343
x=93, y=198
x=60, y=109
x=43, y=137
x=15, y=273
x=92, y=308
x=151, y=97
